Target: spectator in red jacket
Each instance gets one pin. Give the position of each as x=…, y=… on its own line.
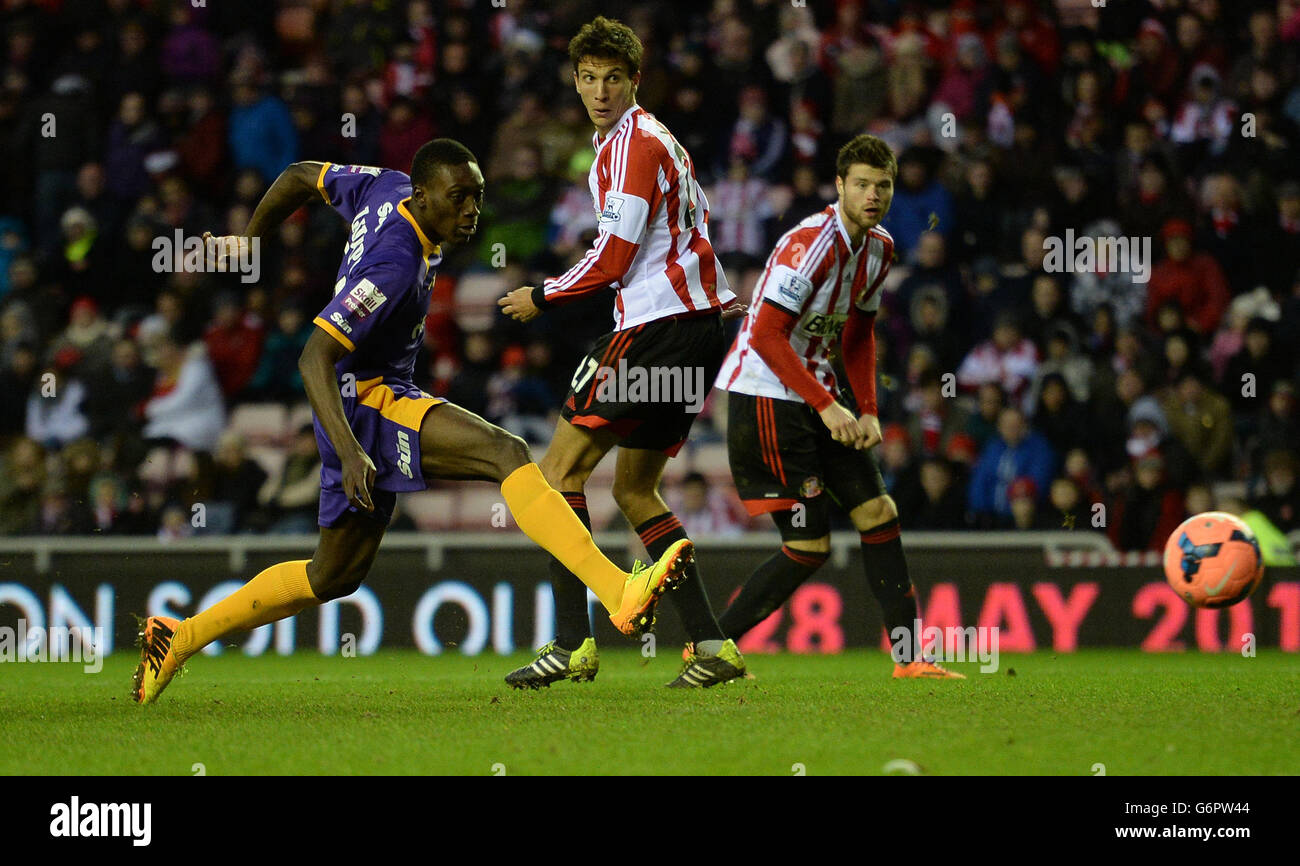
x=1192, y=280
x=234, y=342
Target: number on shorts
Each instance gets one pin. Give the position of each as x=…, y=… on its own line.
x=583, y=374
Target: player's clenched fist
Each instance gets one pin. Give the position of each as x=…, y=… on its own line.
x=843, y=426
x=225, y=252
x=870, y=426
x=519, y=305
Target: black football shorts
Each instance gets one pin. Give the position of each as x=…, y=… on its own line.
x=781, y=453
x=648, y=383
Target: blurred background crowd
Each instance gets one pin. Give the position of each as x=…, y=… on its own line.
x=135, y=398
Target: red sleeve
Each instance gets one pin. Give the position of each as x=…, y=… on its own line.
x=627, y=184
x=858, y=349
x=1214, y=299
x=771, y=340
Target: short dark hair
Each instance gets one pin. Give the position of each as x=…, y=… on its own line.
x=607, y=39
x=440, y=151
x=869, y=150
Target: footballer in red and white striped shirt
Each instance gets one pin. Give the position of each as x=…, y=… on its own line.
x=653, y=249
x=790, y=439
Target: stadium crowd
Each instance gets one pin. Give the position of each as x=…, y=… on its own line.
x=1014, y=392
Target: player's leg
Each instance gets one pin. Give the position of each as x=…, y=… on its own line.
x=805, y=547
x=857, y=483
x=569, y=461
x=637, y=475
x=774, y=462
x=343, y=557
x=455, y=443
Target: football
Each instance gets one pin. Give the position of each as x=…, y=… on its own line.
x=1213, y=560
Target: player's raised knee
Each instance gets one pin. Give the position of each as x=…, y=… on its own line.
x=874, y=512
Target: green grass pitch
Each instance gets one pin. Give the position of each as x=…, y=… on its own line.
x=404, y=713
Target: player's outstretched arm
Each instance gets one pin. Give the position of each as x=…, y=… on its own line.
x=292, y=189
x=317, y=367
x=295, y=186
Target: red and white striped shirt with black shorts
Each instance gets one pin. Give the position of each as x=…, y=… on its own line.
x=817, y=294
x=653, y=249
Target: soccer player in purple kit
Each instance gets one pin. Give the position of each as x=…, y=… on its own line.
x=377, y=432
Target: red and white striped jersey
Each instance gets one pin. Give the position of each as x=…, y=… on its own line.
x=653, y=243
x=814, y=275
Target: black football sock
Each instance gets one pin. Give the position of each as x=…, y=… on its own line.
x=886, y=570
x=768, y=588
x=691, y=598
x=572, y=616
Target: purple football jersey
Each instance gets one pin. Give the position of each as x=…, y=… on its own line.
x=381, y=295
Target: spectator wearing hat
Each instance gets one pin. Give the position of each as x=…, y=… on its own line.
x=79, y=267
x=1192, y=280
x=1142, y=516
x=1026, y=512
x=89, y=335
x=1201, y=419
x=1205, y=120
x=1016, y=451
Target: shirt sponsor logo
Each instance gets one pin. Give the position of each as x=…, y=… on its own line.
x=613, y=206
x=364, y=298
x=337, y=318
x=827, y=326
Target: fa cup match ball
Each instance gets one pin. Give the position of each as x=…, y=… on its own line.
x=1213, y=560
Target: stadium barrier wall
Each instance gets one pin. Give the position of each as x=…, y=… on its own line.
x=489, y=592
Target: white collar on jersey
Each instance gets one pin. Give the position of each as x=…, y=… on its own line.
x=597, y=141
x=844, y=232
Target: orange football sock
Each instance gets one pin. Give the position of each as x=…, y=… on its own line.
x=547, y=519
x=280, y=591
